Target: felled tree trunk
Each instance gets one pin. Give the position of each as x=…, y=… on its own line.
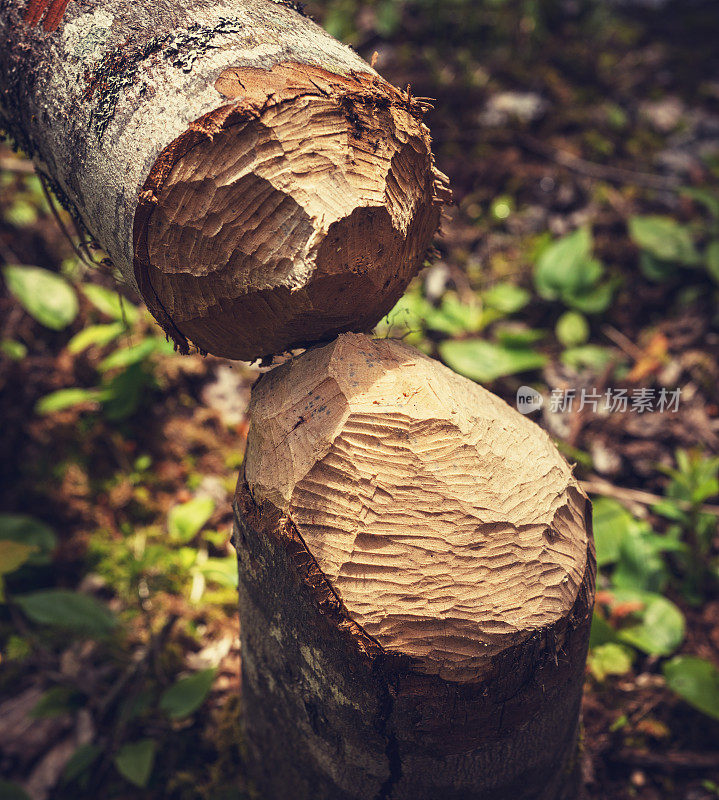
x=261, y=185
x=416, y=582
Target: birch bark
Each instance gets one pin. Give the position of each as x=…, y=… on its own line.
x=257, y=181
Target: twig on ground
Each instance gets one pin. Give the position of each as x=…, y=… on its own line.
x=597, y=485
x=602, y=172
x=623, y=342
x=21, y=166
x=667, y=762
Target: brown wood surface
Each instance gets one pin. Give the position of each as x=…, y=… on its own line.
x=349, y=689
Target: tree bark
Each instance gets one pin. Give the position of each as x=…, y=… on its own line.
x=257, y=181
x=416, y=584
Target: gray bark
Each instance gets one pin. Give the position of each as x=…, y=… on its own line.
x=95, y=101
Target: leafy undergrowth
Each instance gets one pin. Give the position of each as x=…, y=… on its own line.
x=578, y=270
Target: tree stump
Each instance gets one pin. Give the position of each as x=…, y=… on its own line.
x=416, y=584
x=261, y=184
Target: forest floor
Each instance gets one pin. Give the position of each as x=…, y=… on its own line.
x=576, y=136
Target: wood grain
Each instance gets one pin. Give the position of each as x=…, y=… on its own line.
x=447, y=524
x=300, y=210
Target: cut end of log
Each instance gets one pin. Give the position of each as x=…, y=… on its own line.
x=299, y=209
x=447, y=524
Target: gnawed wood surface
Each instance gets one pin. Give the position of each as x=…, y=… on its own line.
x=415, y=624
x=448, y=524
x=257, y=180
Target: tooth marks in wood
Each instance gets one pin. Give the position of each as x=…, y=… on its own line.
x=447, y=523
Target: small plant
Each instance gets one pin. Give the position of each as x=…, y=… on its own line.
x=508, y=349
x=50, y=617
x=636, y=615
x=631, y=615
x=45, y=295
x=696, y=681
x=126, y=373
x=566, y=271
x=692, y=482
x=668, y=248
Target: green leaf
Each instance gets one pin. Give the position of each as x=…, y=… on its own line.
x=661, y=627
x=21, y=213
x=97, y=335
x=11, y=791
x=110, y=303
x=640, y=564
x=72, y=610
x=80, y=761
x=65, y=398
x=572, y=329
x=187, y=695
x=601, y=631
x=670, y=510
x=712, y=260
x=506, y=297
x=185, y=557
x=485, y=361
x=185, y=521
x=593, y=300
x=13, y=555
x=13, y=349
x=517, y=336
x=656, y=270
x=55, y=702
x=587, y=356
x=613, y=524
x=409, y=311
x=46, y=296
x=706, y=197
x=16, y=647
x=562, y=266
x=609, y=659
x=222, y=571
x=122, y=395
x=127, y=356
x=453, y=317
x=31, y=532
x=664, y=239
x=134, y=761
x=696, y=681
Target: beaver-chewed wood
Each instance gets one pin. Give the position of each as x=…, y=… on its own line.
x=258, y=182
x=416, y=583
